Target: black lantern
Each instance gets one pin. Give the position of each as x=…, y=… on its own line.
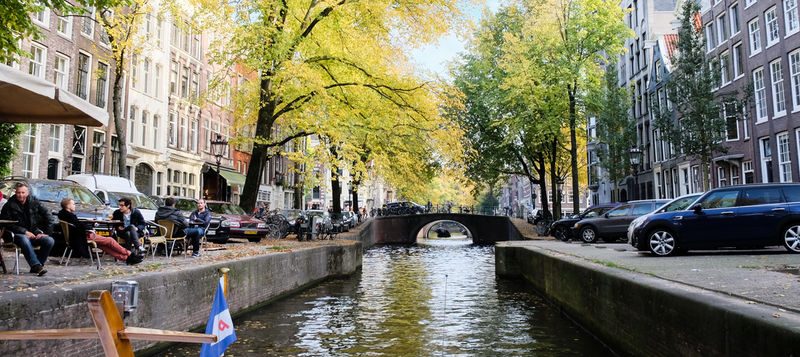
x=636, y=160
x=218, y=146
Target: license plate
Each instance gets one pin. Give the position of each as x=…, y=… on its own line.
x=250, y=232
x=211, y=233
x=104, y=233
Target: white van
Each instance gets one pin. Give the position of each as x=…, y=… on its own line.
x=111, y=188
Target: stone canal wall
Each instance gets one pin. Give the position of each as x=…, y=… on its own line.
x=173, y=300
x=637, y=314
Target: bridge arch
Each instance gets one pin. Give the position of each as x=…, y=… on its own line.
x=430, y=230
x=404, y=229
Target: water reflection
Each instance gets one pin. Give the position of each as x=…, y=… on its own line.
x=439, y=297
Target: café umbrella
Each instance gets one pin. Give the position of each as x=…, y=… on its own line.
x=28, y=99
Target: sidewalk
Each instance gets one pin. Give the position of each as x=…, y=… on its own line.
x=527, y=230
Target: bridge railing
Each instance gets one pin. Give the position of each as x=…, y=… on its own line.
x=443, y=208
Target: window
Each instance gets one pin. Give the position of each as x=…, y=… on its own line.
x=102, y=84
x=156, y=120
x=88, y=23
x=738, y=64
x=64, y=26
x=755, y=37
x=745, y=122
x=195, y=84
x=747, y=3
x=146, y=75
x=784, y=161
x=173, y=77
x=61, y=71
x=98, y=145
x=725, y=68
x=38, y=60
x=773, y=31
x=658, y=70
x=791, y=22
x=42, y=18
x=794, y=75
x=714, y=68
x=710, y=36
x=134, y=71
x=722, y=33
x=196, y=46
x=760, y=95
x=132, y=129
x=722, y=181
x=735, y=175
x=145, y=114
x=30, y=154
x=185, y=82
x=56, y=138
x=157, y=82
x=734, y=17
x=766, y=160
x=778, y=96
x=747, y=169
x=642, y=209
x=720, y=199
x=731, y=126
x=619, y=211
x=172, y=130
x=193, y=137
x=78, y=149
x=115, y=155
x=84, y=66
x=184, y=141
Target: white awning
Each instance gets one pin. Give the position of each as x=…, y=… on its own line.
x=28, y=99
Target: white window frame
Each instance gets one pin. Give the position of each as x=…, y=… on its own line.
x=794, y=75
x=156, y=125
x=143, y=122
x=710, y=36
x=56, y=139
x=778, y=90
x=45, y=21
x=735, y=175
x=736, y=58
x=30, y=168
x=132, y=114
x=68, y=30
x=42, y=64
x=748, y=3
x=773, y=29
x=722, y=35
x=105, y=85
x=733, y=19
x=784, y=157
x=725, y=77
x=726, y=115
x=754, y=33
x=90, y=18
x=63, y=74
x=790, y=17
x=88, y=81
x=760, y=95
x=722, y=180
x=146, y=64
x=762, y=154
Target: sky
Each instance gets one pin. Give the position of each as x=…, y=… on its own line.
x=434, y=58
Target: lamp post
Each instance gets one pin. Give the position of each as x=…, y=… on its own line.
x=636, y=160
x=560, y=186
x=218, y=147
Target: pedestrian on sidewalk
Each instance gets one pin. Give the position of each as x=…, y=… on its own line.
x=78, y=230
x=32, y=229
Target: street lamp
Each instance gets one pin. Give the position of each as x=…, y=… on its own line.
x=636, y=160
x=560, y=186
x=218, y=148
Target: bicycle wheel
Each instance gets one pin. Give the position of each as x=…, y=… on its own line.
x=542, y=227
x=273, y=232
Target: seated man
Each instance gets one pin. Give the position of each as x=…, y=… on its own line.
x=32, y=227
x=132, y=224
x=107, y=244
x=199, y=219
x=170, y=213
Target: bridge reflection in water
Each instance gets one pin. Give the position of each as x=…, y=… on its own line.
x=436, y=298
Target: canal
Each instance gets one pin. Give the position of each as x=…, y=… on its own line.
x=438, y=298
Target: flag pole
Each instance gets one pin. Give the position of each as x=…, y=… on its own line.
x=224, y=275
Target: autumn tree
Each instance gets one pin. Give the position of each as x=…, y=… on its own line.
x=696, y=125
x=315, y=58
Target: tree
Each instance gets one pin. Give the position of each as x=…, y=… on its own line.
x=320, y=62
x=615, y=131
x=696, y=125
x=8, y=146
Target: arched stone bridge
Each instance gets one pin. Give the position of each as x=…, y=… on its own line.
x=404, y=229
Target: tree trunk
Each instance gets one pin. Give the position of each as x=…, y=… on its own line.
x=259, y=155
x=554, y=181
x=336, y=187
x=542, y=186
x=354, y=205
x=119, y=122
x=573, y=149
x=298, y=197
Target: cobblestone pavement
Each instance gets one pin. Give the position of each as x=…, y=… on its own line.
x=80, y=270
x=769, y=276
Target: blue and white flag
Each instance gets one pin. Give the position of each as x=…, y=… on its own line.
x=219, y=324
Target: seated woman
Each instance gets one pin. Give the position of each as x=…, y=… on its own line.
x=107, y=244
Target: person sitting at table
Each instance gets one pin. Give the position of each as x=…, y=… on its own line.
x=199, y=219
x=131, y=224
x=170, y=213
x=32, y=228
x=79, y=230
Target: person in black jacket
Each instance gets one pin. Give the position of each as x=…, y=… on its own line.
x=199, y=219
x=170, y=213
x=79, y=231
x=32, y=228
x=131, y=224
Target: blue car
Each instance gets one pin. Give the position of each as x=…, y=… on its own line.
x=751, y=216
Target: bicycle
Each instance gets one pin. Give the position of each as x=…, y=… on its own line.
x=543, y=223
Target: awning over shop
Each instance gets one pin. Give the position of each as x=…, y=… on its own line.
x=233, y=177
x=29, y=99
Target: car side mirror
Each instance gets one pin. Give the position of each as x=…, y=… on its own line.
x=605, y=215
x=697, y=208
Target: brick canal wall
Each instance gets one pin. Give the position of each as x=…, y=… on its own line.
x=172, y=300
x=640, y=315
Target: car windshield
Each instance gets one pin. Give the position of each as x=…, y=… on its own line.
x=679, y=204
x=225, y=208
x=315, y=213
x=594, y=212
x=55, y=191
x=186, y=205
x=139, y=200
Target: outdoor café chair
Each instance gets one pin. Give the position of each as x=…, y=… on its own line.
x=93, y=250
x=170, y=230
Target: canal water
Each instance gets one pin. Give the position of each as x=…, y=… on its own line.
x=438, y=298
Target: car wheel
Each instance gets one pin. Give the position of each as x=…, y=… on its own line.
x=560, y=233
x=589, y=234
x=661, y=243
x=791, y=238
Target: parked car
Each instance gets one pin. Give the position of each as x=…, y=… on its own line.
x=350, y=218
x=110, y=189
x=238, y=222
x=751, y=216
x=404, y=207
x=217, y=232
x=679, y=204
x=613, y=224
x=562, y=228
x=51, y=192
